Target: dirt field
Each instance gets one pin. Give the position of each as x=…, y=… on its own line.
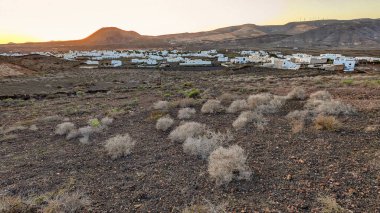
x=291, y=171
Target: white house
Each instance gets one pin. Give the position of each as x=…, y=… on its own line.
x=196, y=62
x=240, y=60
x=222, y=59
x=331, y=56
x=349, y=63
x=90, y=62
x=282, y=64
x=116, y=63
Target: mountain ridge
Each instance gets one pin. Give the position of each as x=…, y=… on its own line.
x=357, y=33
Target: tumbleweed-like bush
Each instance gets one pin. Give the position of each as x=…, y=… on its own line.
x=259, y=99
x=161, y=105
x=186, y=113
x=64, y=128
x=225, y=164
x=212, y=106
x=119, y=146
x=298, y=93
x=249, y=117
x=187, y=129
x=237, y=106
x=164, y=123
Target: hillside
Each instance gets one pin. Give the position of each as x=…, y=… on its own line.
x=355, y=34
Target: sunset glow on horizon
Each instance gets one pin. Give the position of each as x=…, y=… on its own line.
x=46, y=20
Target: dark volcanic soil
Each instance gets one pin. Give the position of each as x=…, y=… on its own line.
x=290, y=171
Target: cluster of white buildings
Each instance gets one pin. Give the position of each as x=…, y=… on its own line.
x=154, y=58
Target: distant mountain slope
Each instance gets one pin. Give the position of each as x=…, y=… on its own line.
x=359, y=33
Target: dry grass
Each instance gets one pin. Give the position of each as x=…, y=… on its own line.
x=212, y=106
x=161, y=105
x=334, y=107
x=259, y=99
x=119, y=146
x=298, y=119
x=237, y=106
x=10, y=204
x=321, y=95
x=297, y=93
x=273, y=105
x=227, y=98
x=64, y=128
x=106, y=121
x=249, y=117
x=186, y=113
x=225, y=164
x=187, y=129
x=85, y=132
x=203, y=145
x=164, y=123
x=330, y=123
x=68, y=202
x=329, y=205
x=186, y=102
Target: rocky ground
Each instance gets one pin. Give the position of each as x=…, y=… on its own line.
x=291, y=171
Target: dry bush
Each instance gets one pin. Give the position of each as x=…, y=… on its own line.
x=212, y=106
x=226, y=98
x=203, y=145
x=187, y=129
x=10, y=204
x=119, y=146
x=322, y=122
x=313, y=103
x=85, y=132
x=186, y=113
x=321, y=95
x=68, y=202
x=259, y=99
x=33, y=127
x=249, y=117
x=186, y=102
x=298, y=118
x=237, y=106
x=334, y=107
x=372, y=128
x=164, y=123
x=64, y=128
x=106, y=121
x=298, y=93
x=227, y=163
x=273, y=106
x=329, y=205
x=161, y=105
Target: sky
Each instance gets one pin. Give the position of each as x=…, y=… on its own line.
x=47, y=20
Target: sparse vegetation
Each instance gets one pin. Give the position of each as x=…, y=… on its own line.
x=164, y=123
x=225, y=164
x=187, y=129
x=297, y=93
x=322, y=122
x=329, y=205
x=321, y=95
x=186, y=113
x=68, y=202
x=259, y=99
x=161, y=105
x=119, y=146
x=203, y=145
x=249, y=117
x=64, y=128
x=237, y=106
x=212, y=106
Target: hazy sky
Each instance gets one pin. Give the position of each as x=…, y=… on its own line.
x=45, y=20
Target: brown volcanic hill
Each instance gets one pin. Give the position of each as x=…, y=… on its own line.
x=111, y=35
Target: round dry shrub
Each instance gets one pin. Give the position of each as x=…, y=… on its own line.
x=64, y=128
x=164, y=123
x=330, y=123
x=249, y=117
x=237, y=106
x=212, y=106
x=203, y=145
x=119, y=146
x=187, y=129
x=161, y=105
x=298, y=93
x=321, y=95
x=186, y=113
x=334, y=107
x=259, y=99
x=227, y=163
x=226, y=98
